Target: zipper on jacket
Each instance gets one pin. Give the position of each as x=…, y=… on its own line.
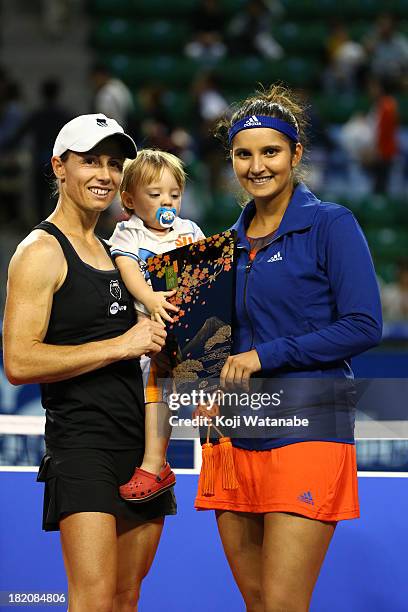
x=247, y=271
x=248, y=268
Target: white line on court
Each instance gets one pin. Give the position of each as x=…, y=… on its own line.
x=189, y=471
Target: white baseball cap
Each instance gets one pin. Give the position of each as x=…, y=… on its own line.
x=84, y=132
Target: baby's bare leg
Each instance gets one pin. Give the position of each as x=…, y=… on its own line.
x=157, y=435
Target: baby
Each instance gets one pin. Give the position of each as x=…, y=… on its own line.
x=151, y=191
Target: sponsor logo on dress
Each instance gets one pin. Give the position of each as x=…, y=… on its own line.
x=115, y=289
x=114, y=308
x=276, y=257
x=252, y=122
x=307, y=498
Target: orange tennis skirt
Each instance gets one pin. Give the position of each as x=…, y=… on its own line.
x=313, y=479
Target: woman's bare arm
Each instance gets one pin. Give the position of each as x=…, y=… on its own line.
x=36, y=271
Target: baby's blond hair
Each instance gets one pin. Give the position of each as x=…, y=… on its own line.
x=148, y=167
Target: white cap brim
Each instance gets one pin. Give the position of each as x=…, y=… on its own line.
x=86, y=131
x=83, y=145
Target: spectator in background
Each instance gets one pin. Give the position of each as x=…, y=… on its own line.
x=12, y=110
x=388, y=50
x=372, y=139
x=112, y=97
x=209, y=106
x=346, y=60
x=207, y=42
x=394, y=296
x=152, y=99
x=42, y=126
x=155, y=125
x=56, y=16
x=249, y=31
x=210, y=102
x=12, y=115
x=357, y=137
x=385, y=122
x=157, y=128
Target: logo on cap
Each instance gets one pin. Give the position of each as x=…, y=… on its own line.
x=101, y=122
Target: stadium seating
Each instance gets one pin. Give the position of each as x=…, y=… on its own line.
x=153, y=8
x=143, y=42
x=388, y=243
x=149, y=36
x=310, y=10
x=139, y=69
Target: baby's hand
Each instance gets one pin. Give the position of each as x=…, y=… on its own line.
x=158, y=305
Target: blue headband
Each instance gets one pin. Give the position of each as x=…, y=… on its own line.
x=262, y=121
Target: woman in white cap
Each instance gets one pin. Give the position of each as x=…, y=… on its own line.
x=70, y=326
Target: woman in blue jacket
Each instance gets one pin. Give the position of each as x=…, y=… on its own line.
x=307, y=301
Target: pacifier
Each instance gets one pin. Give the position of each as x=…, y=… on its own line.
x=166, y=216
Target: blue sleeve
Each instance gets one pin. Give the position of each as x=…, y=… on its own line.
x=354, y=285
x=197, y=232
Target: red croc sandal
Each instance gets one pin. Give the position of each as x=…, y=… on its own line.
x=144, y=486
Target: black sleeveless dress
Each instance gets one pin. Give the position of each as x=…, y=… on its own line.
x=95, y=421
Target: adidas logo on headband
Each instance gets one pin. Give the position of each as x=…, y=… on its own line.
x=252, y=122
x=264, y=122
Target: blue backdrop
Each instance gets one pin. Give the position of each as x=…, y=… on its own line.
x=365, y=569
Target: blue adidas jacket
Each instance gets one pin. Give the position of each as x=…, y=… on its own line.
x=309, y=301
